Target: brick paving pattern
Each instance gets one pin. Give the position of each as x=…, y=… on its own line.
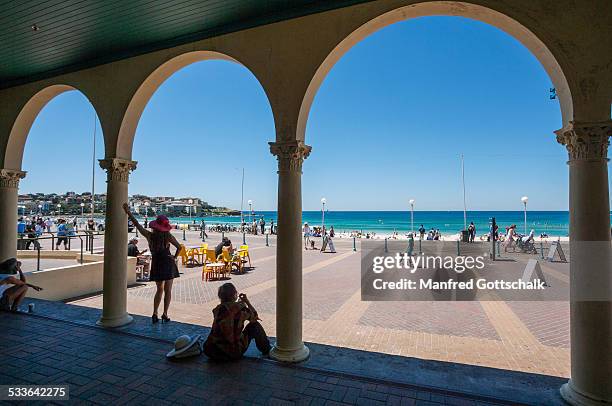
x=531, y=337
x=463, y=319
x=105, y=367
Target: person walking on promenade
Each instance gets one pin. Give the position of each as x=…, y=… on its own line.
x=61, y=234
x=510, y=239
x=203, y=227
x=262, y=224
x=229, y=338
x=163, y=263
x=306, y=231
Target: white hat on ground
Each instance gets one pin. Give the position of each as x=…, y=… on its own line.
x=185, y=346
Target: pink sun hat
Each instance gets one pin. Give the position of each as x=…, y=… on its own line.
x=161, y=223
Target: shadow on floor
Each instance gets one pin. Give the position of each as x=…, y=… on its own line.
x=479, y=383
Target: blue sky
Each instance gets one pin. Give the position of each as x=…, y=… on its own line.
x=388, y=124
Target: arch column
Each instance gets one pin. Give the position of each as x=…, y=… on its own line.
x=9, y=189
x=114, y=308
x=289, y=345
x=590, y=263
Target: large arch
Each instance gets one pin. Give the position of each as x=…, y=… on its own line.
x=20, y=129
x=138, y=102
x=442, y=8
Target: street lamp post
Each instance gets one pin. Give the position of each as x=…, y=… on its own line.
x=82, y=207
x=323, y=201
x=411, y=201
x=147, y=213
x=59, y=209
x=190, y=201
x=250, y=211
x=524, y=200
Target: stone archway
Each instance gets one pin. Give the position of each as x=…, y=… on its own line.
x=149, y=86
x=442, y=8
x=23, y=123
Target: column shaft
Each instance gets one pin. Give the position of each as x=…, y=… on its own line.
x=590, y=264
x=289, y=345
x=9, y=187
x=114, y=310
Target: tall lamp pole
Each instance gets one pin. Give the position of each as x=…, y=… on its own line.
x=323, y=201
x=147, y=213
x=411, y=215
x=250, y=211
x=82, y=207
x=59, y=209
x=524, y=200
x=190, y=201
x=40, y=209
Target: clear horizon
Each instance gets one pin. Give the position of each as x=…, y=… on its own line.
x=387, y=125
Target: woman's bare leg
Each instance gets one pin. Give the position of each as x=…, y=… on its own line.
x=167, y=296
x=158, y=295
x=16, y=295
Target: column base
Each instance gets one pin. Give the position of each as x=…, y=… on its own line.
x=111, y=322
x=296, y=355
x=573, y=397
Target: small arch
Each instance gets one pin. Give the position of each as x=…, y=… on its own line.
x=149, y=86
x=23, y=123
x=442, y=8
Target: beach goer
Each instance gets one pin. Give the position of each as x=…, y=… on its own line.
x=332, y=233
x=271, y=226
x=262, y=225
x=229, y=338
x=471, y=231
x=422, y=232
x=306, y=232
x=13, y=285
x=163, y=263
x=141, y=259
x=509, y=241
x=203, y=226
x=61, y=234
x=225, y=242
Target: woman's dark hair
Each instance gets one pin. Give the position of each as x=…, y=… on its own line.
x=9, y=266
x=227, y=292
x=159, y=240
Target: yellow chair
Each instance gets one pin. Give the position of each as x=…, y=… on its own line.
x=183, y=254
x=230, y=260
x=202, y=252
x=244, y=254
x=212, y=268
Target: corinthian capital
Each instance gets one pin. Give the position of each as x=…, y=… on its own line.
x=117, y=168
x=9, y=178
x=586, y=141
x=290, y=154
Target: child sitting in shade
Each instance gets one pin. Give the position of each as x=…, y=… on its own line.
x=229, y=339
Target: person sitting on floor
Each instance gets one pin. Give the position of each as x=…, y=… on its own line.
x=13, y=290
x=228, y=338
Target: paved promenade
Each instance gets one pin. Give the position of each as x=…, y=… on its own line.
x=521, y=336
x=111, y=367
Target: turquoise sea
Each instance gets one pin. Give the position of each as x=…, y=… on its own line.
x=554, y=223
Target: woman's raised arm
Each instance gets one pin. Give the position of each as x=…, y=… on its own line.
x=140, y=228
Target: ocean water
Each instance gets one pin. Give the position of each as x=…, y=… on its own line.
x=554, y=223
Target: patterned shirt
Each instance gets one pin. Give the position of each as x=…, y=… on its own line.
x=226, y=335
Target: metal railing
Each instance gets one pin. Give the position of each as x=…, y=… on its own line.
x=86, y=240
